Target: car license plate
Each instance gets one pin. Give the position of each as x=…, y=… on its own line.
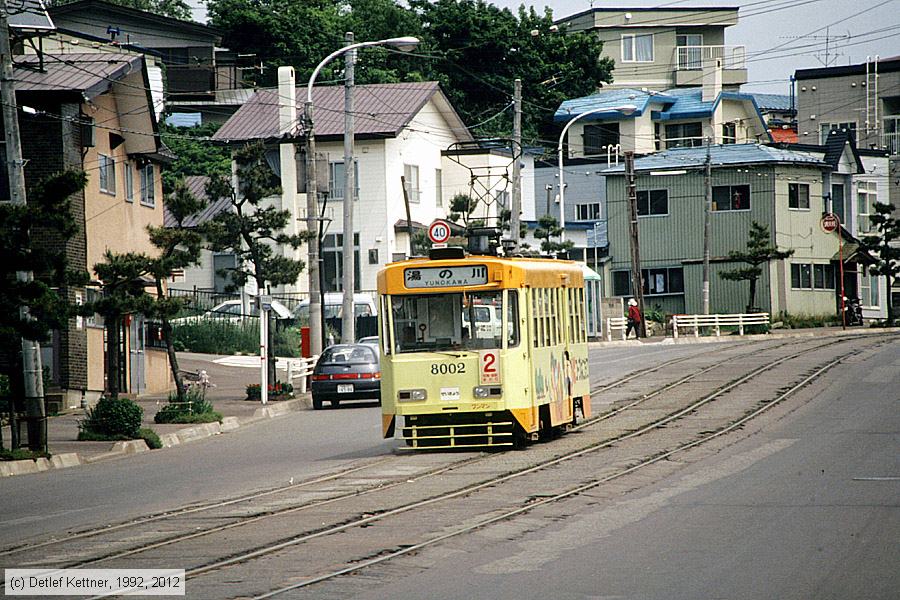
x=344, y=388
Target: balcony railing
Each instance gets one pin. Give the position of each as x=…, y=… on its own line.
x=891, y=142
x=691, y=58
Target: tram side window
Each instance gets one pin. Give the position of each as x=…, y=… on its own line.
x=512, y=318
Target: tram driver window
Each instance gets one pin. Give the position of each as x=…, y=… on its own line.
x=454, y=321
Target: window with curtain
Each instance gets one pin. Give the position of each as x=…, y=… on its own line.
x=107, y=170
x=868, y=288
x=129, y=182
x=336, y=179
x=411, y=177
x=148, y=189
x=730, y=197
x=637, y=47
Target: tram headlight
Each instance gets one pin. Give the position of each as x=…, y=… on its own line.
x=411, y=395
x=484, y=391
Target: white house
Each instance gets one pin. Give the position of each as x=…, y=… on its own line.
x=401, y=130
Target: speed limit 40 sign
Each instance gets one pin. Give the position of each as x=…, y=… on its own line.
x=439, y=232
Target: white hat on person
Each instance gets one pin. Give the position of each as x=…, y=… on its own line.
x=632, y=302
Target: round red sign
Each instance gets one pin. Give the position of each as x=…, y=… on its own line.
x=439, y=232
x=830, y=223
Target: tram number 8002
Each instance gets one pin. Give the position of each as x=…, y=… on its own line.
x=448, y=368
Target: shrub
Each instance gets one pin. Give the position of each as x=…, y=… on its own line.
x=150, y=437
x=22, y=454
x=220, y=336
x=114, y=417
x=194, y=409
x=803, y=321
x=276, y=389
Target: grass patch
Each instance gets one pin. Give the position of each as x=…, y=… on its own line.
x=150, y=437
x=804, y=321
x=88, y=435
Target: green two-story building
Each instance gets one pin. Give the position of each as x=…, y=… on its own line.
x=779, y=188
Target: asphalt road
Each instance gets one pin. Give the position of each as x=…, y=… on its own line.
x=260, y=456
x=807, y=507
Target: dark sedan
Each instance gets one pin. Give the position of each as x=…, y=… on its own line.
x=346, y=372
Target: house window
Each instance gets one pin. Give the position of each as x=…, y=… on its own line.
x=336, y=179
x=868, y=288
x=333, y=259
x=438, y=188
x=729, y=133
x=653, y=203
x=587, y=212
x=866, y=197
x=837, y=200
x=148, y=187
x=637, y=47
x=411, y=177
x=801, y=276
x=597, y=138
x=684, y=135
x=798, y=196
x=826, y=128
x=129, y=183
x=690, y=53
x=823, y=277
x=890, y=137
x=107, y=169
x=656, y=282
x=730, y=197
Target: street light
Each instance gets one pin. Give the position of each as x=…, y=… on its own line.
x=404, y=44
x=625, y=110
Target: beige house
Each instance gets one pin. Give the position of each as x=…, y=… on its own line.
x=94, y=112
x=666, y=47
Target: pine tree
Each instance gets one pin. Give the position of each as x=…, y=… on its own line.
x=758, y=253
x=252, y=231
x=547, y=229
x=882, y=246
x=179, y=247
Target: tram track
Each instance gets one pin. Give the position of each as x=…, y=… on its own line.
x=351, y=524
x=195, y=509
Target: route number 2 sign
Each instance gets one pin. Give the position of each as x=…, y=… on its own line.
x=488, y=367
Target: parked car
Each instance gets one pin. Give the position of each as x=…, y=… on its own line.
x=371, y=340
x=232, y=311
x=363, y=306
x=346, y=372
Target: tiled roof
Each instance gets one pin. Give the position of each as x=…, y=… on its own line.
x=772, y=101
x=610, y=99
x=672, y=104
x=379, y=109
x=90, y=74
x=196, y=184
x=720, y=155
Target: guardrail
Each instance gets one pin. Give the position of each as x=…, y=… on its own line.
x=620, y=323
x=717, y=322
x=300, y=368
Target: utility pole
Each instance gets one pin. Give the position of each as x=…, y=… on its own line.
x=15, y=166
x=312, y=225
x=637, y=284
x=348, y=325
x=706, y=225
x=516, y=208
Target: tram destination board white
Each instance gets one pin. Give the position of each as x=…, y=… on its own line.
x=434, y=277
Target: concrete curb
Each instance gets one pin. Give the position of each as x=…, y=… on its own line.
x=176, y=438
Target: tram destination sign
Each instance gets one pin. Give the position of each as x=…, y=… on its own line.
x=435, y=277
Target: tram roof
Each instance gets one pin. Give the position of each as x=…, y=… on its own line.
x=503, y=273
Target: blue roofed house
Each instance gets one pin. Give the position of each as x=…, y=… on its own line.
x=604, y=125
x=776, y=187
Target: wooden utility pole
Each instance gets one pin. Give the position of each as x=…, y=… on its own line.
x=15, y=166
x=516, y=208
x=637, y=284
x=348, y=279
x=706, y=225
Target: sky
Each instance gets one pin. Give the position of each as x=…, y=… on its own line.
x=778, y=34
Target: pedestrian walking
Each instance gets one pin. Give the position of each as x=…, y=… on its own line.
x=634, y=319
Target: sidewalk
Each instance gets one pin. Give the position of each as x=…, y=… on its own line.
x=227, y=397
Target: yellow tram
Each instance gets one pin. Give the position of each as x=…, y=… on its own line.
x=481, y=350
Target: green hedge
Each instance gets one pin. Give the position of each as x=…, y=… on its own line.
x=114, y=417
x=224, y=337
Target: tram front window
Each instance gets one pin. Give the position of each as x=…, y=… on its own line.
x=462, y=321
